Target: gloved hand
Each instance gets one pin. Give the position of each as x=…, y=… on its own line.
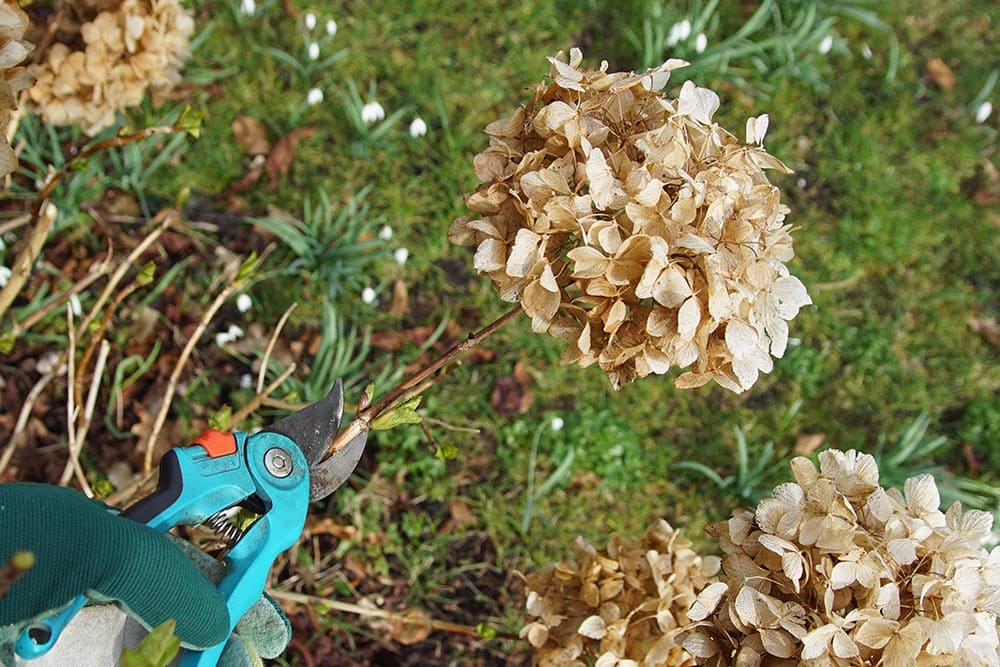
x=82, y=546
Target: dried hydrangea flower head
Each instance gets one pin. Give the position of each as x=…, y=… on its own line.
x=13, y=79
x=635, y=229
x=108, y=59
x=835, y=570
x=623, y=605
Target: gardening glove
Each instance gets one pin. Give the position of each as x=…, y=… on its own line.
x=83, y=546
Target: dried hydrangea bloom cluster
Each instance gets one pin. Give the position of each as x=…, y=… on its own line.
x=122, y=50
x=13, y=79
x=623, y=605
x=835, y=570
x=635, y=229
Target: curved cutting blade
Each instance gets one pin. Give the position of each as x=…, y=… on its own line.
x=329, y=475
x=314, y=427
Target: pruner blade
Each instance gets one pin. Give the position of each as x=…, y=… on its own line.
x=313, y=429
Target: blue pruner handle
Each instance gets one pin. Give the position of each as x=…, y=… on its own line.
x=38, y=639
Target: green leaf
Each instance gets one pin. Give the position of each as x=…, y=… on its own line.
x=247, y=268
x=190, y=122
x=486, y=631
x=7, y=343
x=404, y=413
x=157, y=650
x=221, y=418
x=146, y=274
x=446, y=451
x=103, y=488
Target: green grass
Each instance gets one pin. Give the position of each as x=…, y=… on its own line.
x=891, y=244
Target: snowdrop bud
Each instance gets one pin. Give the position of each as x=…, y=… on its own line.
x=313, y=51
x=866, y=52
x=385, y=233
x=235, y=331
x=700, y=42
x=314, y=97
x=557, y=423
x=244, y=303
x=223, y=338
x=418, y=128
x=5, y=274
x=401, y=255
x=826, y=45
x=331, y=27
x=246, y=381
x=679, y=32
x=368, y=295
x=310, y=20
x=248, y=7
x=75, y=305
x=983, y=111
x=372, y=113
x=47, y=363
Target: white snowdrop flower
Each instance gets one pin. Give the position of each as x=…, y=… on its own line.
x=401, y=255
x=310, y=20
x=313, y=51
x=244, y=303
x=679, y=32
x=418, y=128
x=983, y=111
x=314, y=97
x=801, y=182
x=248, y=7
x=331, y=27
x=794, y=342
x=223, y=338
x=385, y=233
x=246, y=381
x=826, y=45
x=368, y=295
x=700, y=42
x=866, y=52
x=235, y=331
x=372, y=113
x=557, y=423
x=75, y=305
x=5, y=274
x=47, y=363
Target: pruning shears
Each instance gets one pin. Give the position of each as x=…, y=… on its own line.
x=274, y=473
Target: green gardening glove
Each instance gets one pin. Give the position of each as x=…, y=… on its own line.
x=82, y=546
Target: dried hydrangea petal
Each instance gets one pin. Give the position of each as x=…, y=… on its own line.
x=665, y=240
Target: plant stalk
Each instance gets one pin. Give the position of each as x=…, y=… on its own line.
x=415, y=382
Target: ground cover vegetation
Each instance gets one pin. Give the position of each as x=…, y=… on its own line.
x=276, y=214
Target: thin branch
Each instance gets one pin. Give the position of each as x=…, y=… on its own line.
x=446, y=626
x=259, y=399
x=72, y=410
x=73, y=464
x=22, y=418
x=270, y=346
x=413, y=384
x=42, y=215
x=168, y=395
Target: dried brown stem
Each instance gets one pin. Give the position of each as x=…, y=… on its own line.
x=446, y=626
x=415, y=383
x=22, y=418
x=42, y=218
x=168, y=396
x=259, y=399
x=270, y=346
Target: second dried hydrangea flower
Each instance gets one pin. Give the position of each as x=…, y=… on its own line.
x=635, y=229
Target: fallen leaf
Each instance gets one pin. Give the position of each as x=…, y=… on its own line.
x=478, y=356
x=251, y=134
x=414, y=632
x=393, y=341
x=939, y=72
x=808, y=443
x=511, y=397
x=987, y=328
x=400, y=305
x=282, y=155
